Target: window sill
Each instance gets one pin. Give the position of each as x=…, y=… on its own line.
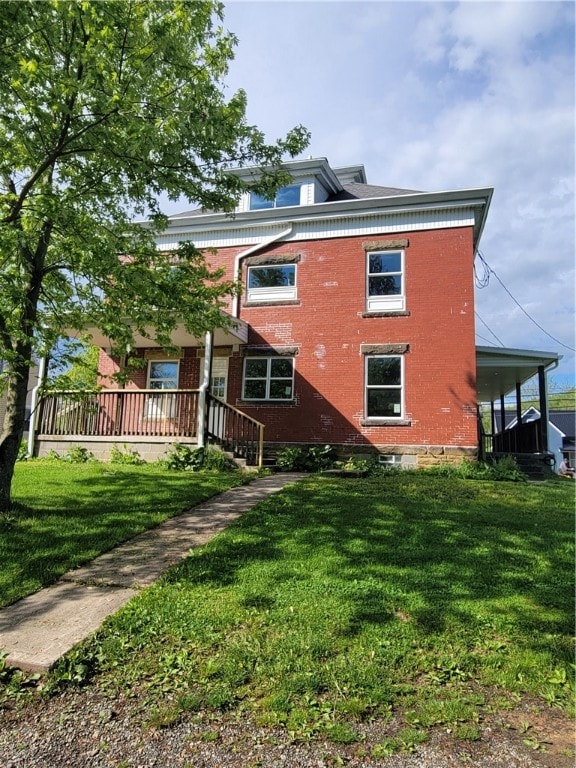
x=274, y=303
x=389, y=313
x=385, y=422
x=245, y=403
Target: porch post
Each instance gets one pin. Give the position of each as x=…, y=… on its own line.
x=34, y=406
x=543, y=409
x=518, y=404
x=204, y=387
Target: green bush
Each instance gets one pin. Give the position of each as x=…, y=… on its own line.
x=184, y=458
x=501, y=469
x=313, y=458
x=125, y=456
x=78, y=455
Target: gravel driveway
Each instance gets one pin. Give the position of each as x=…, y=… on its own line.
x=87, y=729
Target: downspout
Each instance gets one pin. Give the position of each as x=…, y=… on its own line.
x=34, y=406
x=248, y=252
x=204, y=387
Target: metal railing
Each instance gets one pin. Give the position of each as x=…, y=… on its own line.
x=234, y=431
x=522, y=438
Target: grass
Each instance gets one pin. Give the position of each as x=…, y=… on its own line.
x=66, y=514
x=340, y=600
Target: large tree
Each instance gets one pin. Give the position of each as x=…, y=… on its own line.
x=104, y=107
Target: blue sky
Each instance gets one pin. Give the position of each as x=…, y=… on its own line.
x=435, y=96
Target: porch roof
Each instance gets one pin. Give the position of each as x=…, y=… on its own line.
x=237, y=333
x=499, y=369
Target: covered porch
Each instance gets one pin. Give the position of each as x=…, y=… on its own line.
x=501, y=372
x=150, y=419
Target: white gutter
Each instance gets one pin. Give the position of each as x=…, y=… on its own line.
x=248, y=252
x=33, y=407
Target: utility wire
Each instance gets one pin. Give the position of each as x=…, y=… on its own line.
x=489, y=271
x=484, y=338
x=485, y=324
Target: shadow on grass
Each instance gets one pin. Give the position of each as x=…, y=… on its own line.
x=66, y=515
x=445, y=555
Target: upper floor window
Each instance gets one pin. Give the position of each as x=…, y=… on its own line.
x=268, y=378
x=271, y=283
x=385, y=281
x=289, y=195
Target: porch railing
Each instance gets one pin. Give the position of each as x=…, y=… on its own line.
x=235, y=431
x=119, y=412
x=522, y=438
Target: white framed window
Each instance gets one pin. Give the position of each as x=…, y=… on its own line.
x=275, y=282
x=286, y=196
x=385, y=281
x=384, y=376
x=163, y=376
x=268, y=378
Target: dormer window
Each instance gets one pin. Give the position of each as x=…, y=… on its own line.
x=286, y=196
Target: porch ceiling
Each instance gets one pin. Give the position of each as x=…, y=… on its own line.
x=499, y=369
x=236, y=334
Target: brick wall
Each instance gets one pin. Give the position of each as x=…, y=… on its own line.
x=328, y=327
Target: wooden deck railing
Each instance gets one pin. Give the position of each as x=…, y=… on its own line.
x=117, y=413
x=234, y=431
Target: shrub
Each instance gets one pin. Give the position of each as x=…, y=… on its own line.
x=313, y=458
x=126, y=456
x=184, y=458
x=78, y=455
x=502, y=469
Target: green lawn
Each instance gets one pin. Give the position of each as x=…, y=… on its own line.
x=68, y=514
x=341, y=600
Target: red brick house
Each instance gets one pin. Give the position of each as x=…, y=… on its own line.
x=355, y=327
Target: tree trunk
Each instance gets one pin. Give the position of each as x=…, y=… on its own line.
x=13, y=429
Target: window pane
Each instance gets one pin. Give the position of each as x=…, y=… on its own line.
x=288, y=196
x=281, y=366
x=280, y=390
x=384, y=402
x=256, y=368
x=254, y=390
x=389, y=285
x=271, y=277
x=383, y=371
x=163, y=370
x=257, y=202
x=390, y=261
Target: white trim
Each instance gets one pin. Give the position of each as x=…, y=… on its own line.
x=392, y=302
x=221, y=233
x=395, y=387
x=272, y=293
x=268, y=379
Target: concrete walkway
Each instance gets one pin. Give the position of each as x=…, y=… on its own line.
x=37, y=630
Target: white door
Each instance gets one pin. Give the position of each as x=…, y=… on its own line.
x=219, y=378
x=218, y=388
